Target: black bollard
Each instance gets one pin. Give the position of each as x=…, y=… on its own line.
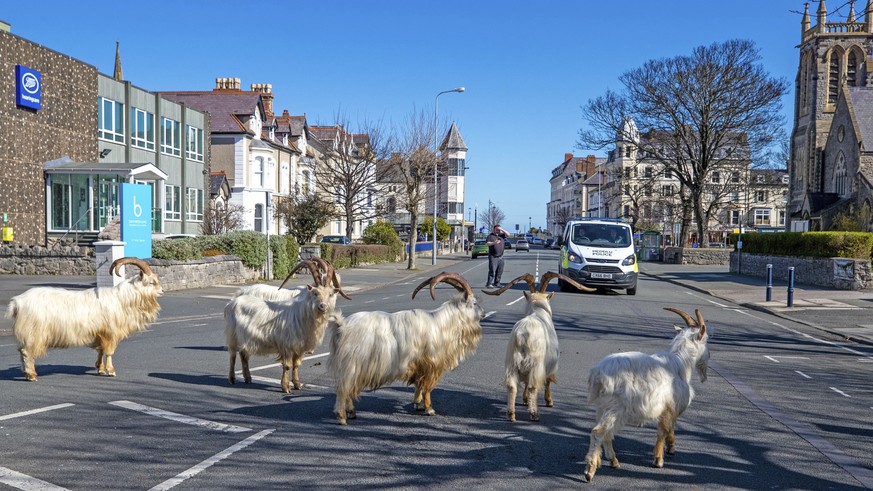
x=769, y=282
x=791, y=286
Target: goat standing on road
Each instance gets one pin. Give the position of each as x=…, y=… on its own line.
x=532, y=352
x=636, y=389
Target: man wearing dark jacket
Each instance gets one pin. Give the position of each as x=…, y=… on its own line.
x=495, y=243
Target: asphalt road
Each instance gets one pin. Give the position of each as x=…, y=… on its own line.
x=784, y=407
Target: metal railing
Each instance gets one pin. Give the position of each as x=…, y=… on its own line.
x=75, y=227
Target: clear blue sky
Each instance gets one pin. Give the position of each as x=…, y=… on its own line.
x=527, y=66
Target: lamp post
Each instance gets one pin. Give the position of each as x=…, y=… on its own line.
x=436, y=102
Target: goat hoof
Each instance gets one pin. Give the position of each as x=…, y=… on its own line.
x=659, y=463
x=589, y=475
x=534, y=416
x=30, y=378
x=550, y=404
x=615, y=464
x=430, y=412
x=671, y=451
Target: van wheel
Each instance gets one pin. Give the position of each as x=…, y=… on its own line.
x=632, y=291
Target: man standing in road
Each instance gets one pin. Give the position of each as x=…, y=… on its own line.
x=495, y=243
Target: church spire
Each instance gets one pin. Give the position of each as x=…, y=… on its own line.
x=851, y=17
x=804, y=24
x=117, y=75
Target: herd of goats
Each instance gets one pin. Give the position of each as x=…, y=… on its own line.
x=372, y=349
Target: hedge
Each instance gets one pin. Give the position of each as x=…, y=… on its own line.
x=249, y=246
x=349, y=256
x=858, y=245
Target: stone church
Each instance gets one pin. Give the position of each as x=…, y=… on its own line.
x=832, y=142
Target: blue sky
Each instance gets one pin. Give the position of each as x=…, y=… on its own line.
x=527, y=66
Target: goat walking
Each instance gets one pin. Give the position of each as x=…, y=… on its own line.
x=532, y=351
x=48, y=317
x=636, y=389
x=416, y=346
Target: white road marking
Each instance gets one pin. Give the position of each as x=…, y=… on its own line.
x=489, y=314
x=198, y=325
x=35, y=411
x=369, y=301
x=516, y=300
x=838, y=391
x=6, y=345
x=276, y=381
x=401, y=295
x=188, y=318
x=471, y=269
x=197, y=469
x=802, y=374
x=386, y=298
x=23, y=481
x=180, y=418
x=274, y=365
x=774, y=358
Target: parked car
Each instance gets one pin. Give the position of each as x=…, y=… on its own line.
x=507, y=243
x=522, y=245
x=336, y=239
x=719, y=245
x=548, y=243
x=479, y=248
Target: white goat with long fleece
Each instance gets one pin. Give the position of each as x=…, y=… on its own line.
x=636, y=388
x=532, y=351
x=270, y=292
x=285, y=328
x=373, y=349
x=47, y=317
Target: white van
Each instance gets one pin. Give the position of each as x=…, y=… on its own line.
x=599, y=253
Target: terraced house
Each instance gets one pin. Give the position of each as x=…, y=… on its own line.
x=70, y=135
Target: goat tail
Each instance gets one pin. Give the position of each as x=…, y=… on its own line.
x=12, y=310
x=598, y=385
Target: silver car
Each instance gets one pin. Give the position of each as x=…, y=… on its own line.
x=522, y=245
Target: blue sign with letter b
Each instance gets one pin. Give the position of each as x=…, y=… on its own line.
x=136, y=220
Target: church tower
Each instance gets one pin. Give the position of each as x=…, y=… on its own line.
x=831, y=54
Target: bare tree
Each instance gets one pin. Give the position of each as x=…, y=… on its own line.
x=698, y=114
x=492, y=216
x=220, y=218
x=345, y=173
x=411, y=165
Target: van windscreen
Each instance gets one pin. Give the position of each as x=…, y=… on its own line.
x=600, y=235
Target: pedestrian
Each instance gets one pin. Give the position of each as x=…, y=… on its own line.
x=495, y=243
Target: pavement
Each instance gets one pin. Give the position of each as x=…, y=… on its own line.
x=840, y=312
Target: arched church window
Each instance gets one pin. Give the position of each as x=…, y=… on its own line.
x=841, y=179
x=852, y=69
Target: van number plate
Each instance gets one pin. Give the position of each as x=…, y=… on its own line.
x=602, y=276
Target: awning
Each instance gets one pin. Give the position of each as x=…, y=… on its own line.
x=127, y=171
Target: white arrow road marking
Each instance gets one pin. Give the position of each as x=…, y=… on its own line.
x=180, y=418
x=202, y=466
x=35, y=411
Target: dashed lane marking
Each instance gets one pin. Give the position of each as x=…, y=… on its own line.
x=23, y=481
x=838, y=391
x=274, y=365
x=202, y=466
x=514, y=301
x=489, y=314
x=35, y=411
x=180, y=418
x=802, y=374
x=775, y=360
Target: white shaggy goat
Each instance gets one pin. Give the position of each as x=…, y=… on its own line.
x=270, y=292
x=47, y=317
x=635, y=389
x=287, y=328
x=532, y=351
x=416, y=346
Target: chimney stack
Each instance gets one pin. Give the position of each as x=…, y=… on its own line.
x=266, y=91
x=568, y=156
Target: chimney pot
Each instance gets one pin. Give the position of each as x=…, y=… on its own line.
x=568, y=156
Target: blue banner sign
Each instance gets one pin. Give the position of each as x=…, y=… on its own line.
x=28, y=87
x=136, y=220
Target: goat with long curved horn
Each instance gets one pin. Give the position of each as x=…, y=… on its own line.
x=453, y=279
x=313, y=269
x=527, y=278
x=142, y=265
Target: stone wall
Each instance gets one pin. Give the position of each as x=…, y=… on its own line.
x=690, y=255
x=201, y=273
x=38, y=260
x=831, y=272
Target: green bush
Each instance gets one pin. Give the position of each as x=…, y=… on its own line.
x=857, y=245
x=281, y=261
x=176, y=249
x=382, y=232
x=292, y=248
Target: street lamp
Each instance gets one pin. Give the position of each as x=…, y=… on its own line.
x=436, y=102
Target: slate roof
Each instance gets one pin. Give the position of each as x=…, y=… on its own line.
x=771, y=177
x=861, y=101
x=453, y=140
x=216, y=180
x=228, y=111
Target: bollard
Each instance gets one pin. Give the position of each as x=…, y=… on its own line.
x=769, y=282
x=791, y=286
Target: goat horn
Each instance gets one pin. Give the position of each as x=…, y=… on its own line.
x=330, y=274
x=316, y=276
x=453, y=279
x=550, y=275
x=700, y=322
x=527, y=278
x=684, y=315
x=146, y=269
